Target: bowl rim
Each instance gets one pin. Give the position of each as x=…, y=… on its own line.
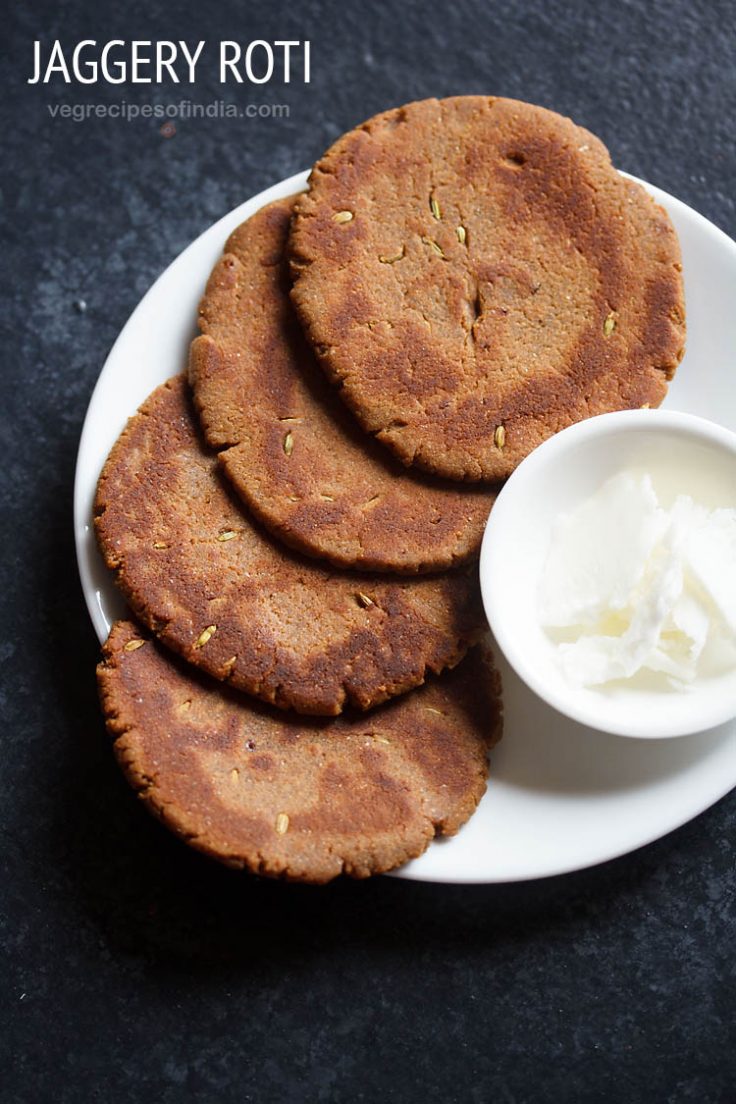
x=582, y=433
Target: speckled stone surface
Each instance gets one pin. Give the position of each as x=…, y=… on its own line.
x=135, y=971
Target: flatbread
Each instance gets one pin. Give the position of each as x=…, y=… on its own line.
x=291, y=450
x=291, y=797
x=215, y=588
x=474, y=275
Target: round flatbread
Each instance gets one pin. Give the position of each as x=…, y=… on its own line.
x=475, y=275
x=289, y=446
x=222, y=594
x=291, y=797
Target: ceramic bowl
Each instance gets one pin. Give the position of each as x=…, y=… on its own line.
x=684, y=454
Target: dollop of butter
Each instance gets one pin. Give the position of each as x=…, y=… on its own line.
x=629, y=586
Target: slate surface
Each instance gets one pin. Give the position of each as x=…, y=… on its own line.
x=134, y=970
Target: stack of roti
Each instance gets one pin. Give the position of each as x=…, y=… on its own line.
x=303, y=688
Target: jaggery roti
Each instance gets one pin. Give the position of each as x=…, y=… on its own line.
x=296, y=797
x=198, y=572
x=290, y=448
x=474, y=275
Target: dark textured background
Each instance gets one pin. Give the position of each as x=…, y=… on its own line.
x=136, y=971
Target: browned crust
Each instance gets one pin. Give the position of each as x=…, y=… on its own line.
x=332, y=492
x=287, y=630
x=509, y=327
x=361, y=795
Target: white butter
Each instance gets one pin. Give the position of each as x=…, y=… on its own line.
x=598, y=553
x=637, y=587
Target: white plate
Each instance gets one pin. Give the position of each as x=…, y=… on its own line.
x=561, y=796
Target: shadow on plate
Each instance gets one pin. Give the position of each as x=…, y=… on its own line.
x=545, y=751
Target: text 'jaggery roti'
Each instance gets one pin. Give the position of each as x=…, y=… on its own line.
x=222, y=594
x=293, y=797
x=475, y=275
x=289, y=446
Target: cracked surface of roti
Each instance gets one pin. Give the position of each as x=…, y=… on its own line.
x=218, y=590
x=290, y=448
x=474, y=275
x=298, y=797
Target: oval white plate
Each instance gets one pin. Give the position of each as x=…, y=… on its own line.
x=561, y=796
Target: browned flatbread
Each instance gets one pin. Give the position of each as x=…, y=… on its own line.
x=474, y=275
x=293, y=797
x=290, y=448
x=213, y=587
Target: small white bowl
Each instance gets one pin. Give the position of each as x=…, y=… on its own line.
x=684, y=455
